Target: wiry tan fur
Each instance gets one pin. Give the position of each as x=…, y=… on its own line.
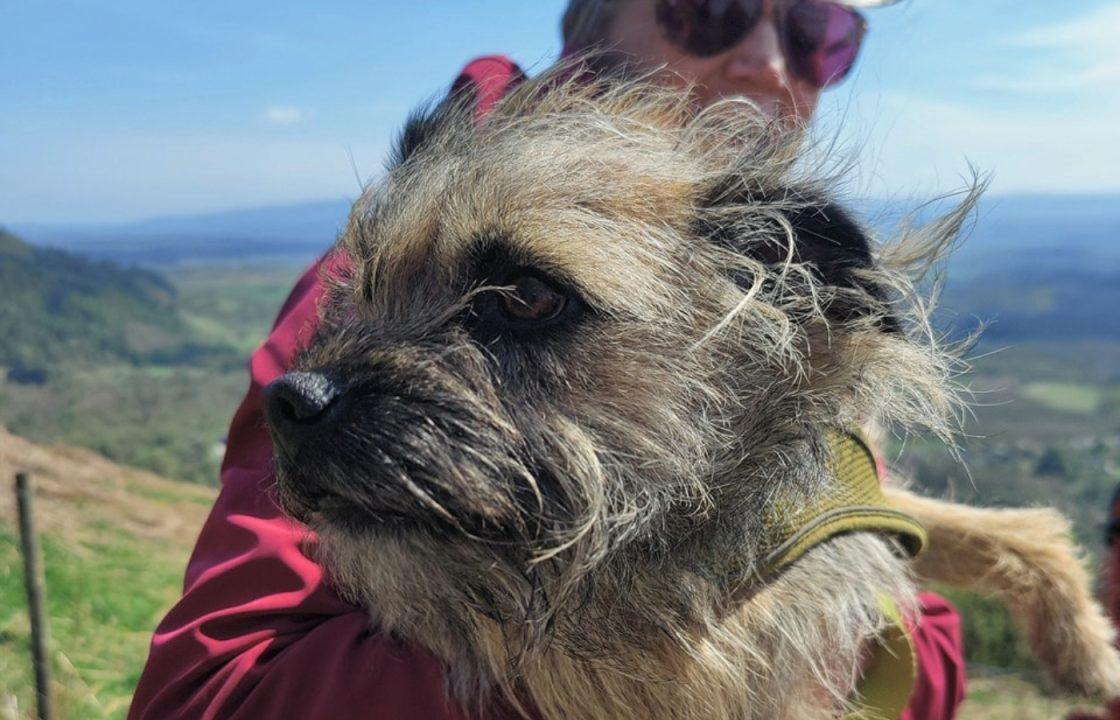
x=586, y=513
x=1026, y=559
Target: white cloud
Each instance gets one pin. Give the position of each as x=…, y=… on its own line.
x=283, y=115
x=1102, y=76
x=1079, y=54
x=916, y=145
x=1095, y=29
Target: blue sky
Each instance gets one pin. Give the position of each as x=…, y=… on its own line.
x=112, y=111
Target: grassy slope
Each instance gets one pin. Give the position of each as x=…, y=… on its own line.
x=61, y=309
x=115, y=542
x=233, y=306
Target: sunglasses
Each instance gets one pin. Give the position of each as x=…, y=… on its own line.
x=820, y=39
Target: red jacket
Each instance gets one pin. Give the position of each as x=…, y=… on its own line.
x=1112, y=573
x=258, y=634
x=1112, y=579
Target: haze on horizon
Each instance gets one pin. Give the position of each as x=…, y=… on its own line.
x=111, y=114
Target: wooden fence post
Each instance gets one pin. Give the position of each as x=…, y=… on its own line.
x=33, y=576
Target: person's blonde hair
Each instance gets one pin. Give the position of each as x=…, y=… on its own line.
x=585, y=22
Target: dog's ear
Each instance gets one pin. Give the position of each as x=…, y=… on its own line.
x=473, y=94
x=825, y=238
x=422, y=125
x=425, y=122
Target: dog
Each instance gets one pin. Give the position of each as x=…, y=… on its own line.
x=589, y=358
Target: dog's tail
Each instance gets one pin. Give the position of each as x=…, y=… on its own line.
x=1028, y=561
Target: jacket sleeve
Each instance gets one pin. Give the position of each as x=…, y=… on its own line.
x=257, y=633
x=939, y=688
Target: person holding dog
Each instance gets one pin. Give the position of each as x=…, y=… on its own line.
x=258, y=633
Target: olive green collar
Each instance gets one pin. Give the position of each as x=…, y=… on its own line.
x=885, y=688
x=854, y=502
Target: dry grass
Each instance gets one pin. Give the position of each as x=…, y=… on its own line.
x=77, y=491
x=115, y=541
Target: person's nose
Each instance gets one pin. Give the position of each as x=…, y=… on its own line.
x=757, y=66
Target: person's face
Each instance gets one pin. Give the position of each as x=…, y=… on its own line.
x=754, y=68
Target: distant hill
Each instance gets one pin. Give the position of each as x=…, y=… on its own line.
x=1073, y=231
x=1031, y=268
x=59, y=308
x=1036, y=267
x=1023, y=231
x=1038, y=303
x=281, y=234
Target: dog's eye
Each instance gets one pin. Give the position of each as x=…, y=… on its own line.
x=523, y=304
x=533, y=299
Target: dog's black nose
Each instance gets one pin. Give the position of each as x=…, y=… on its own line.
x=298, y=403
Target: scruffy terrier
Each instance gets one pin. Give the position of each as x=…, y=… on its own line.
x=587, y=361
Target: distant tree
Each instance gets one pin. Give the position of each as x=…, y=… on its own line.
x=990, y=635
x=1051, y=464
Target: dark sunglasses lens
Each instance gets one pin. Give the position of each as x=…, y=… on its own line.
x=822, y=39
x=706, y=27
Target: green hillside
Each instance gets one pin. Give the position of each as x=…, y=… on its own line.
x=60, y=310
x=144, y=368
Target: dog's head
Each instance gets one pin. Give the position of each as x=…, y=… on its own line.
x=585, y=350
